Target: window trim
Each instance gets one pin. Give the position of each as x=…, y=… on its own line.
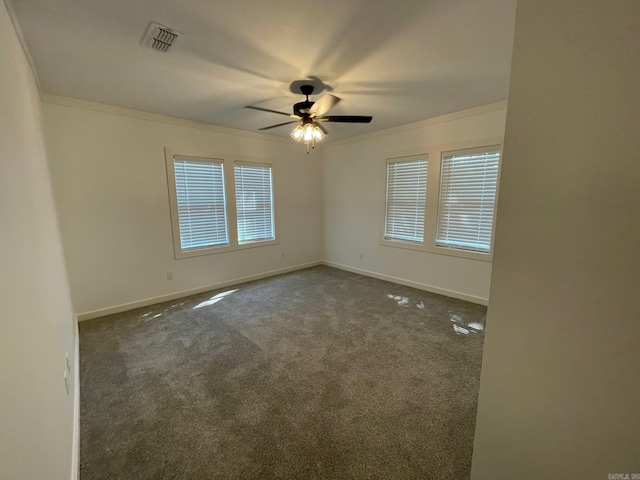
x=453, y=153
x=228, y=162
x=204, y=161
x=406, y=159
x=242, y=163
x=434, y=155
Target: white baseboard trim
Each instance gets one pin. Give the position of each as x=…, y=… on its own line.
x=75, y=448
x=409, y=283
x=185, y=293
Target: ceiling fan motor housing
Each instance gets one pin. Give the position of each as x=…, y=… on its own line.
x=302, y=112
x=302, y=108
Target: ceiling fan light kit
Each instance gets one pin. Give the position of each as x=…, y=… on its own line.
x=309, y=113
x=309, y=133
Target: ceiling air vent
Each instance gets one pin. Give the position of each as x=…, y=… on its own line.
x=160, y=37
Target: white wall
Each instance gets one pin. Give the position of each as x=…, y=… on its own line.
x=36, y=321
x=354, y=195
x=560, y=386
x=110, y=184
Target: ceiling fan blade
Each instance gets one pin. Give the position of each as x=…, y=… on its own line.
x=323, y=104
x=344, y=119
x=278, y=125
x=271, y=111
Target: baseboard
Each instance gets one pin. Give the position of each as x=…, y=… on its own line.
x=75, y=448
x=185, y=293
x=409, y=283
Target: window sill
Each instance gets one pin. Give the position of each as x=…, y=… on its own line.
x=450, y=252
x=222, y=249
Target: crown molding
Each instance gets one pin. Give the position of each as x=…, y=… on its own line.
x=182, y=122
x=449, y=117
x=23, y=44
x=153, y=117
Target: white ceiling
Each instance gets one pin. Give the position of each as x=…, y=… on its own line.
x=398, y=60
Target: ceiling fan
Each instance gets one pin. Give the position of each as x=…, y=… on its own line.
x=310, y=114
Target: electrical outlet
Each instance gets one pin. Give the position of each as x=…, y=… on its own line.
x=361, y=255
x=169, y=275
x=282, y=255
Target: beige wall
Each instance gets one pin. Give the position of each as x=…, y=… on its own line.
x=36, y=321
x=110, y=185
x=354, y=196
x=560, y=389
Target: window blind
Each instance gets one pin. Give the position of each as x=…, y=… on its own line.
x=406, y=197
x=468, y=187
x=201, y=204
x=254, y=203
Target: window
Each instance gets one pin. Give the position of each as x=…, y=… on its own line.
x=254, y=202
x=406, y=199
x=444, y=206
x=219, y=204
x=468, y=184
x=200, y=198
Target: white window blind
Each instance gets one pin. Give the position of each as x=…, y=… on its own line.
x=468, y=187
x=200, y=197
x=406, y=197
x=254, y=203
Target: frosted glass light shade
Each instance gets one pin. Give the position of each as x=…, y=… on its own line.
x=309, y=132
x=297, y=133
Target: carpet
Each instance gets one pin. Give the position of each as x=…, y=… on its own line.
x=315, y=374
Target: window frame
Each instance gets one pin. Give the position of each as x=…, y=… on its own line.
x=223, y=208
x=228, y=162
x=469, y=151
x=434, y=155
x=407, y=159
x=241, y=164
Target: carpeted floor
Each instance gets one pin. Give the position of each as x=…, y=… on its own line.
x=316, y=374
